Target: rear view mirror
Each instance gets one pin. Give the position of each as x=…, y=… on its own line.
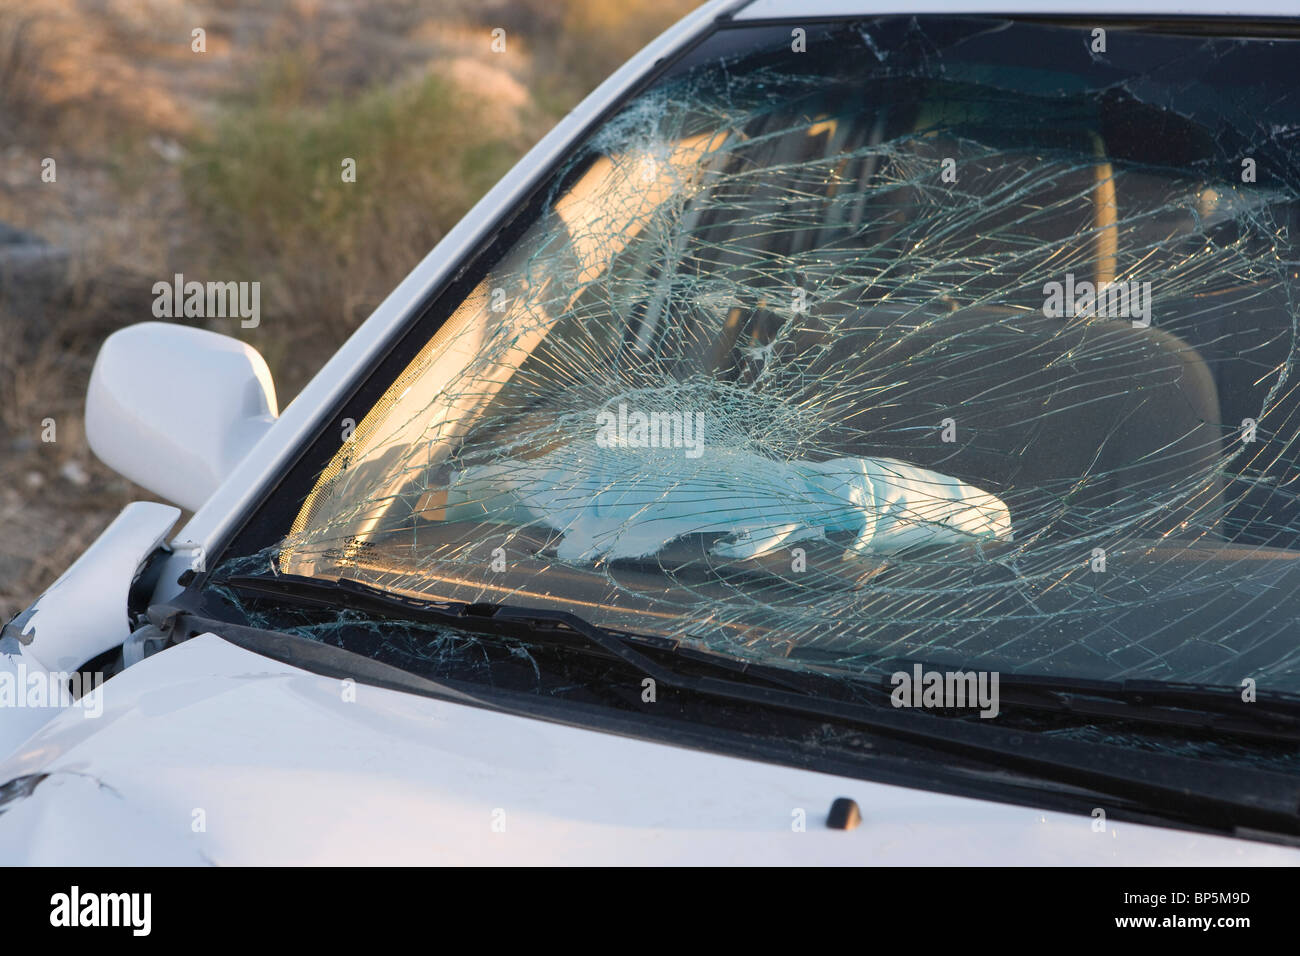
x=175, y=408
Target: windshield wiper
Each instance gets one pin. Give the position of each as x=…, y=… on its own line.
x=1247, y=797
x=1146, y=702
x=1212, y=708
x=504, y=620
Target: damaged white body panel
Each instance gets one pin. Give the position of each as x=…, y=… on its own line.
x=767, y=380
x=81, y=615
x=294, y=768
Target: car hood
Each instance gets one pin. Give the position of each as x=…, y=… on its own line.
x=209, y=754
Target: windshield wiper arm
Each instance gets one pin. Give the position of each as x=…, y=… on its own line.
x=1248, y=797
x=501, y=619
x=1208, y=707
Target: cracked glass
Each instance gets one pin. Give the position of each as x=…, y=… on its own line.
x=948, y=339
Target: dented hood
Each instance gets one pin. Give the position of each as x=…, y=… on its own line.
x=210, y=754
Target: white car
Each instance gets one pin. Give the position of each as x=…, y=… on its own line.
x=854, y=435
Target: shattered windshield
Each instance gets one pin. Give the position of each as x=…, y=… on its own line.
x=953, y=339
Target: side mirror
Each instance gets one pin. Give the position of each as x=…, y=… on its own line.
x=175, y=409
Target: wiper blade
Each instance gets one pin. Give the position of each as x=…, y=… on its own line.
x=1245, y=798
x=332, y=594
x=501, y=619
x=1208, y=707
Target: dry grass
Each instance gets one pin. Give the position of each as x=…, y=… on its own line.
x=269, y=190
x=226, y=165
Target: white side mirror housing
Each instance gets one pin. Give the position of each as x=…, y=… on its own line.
x=175, y=408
